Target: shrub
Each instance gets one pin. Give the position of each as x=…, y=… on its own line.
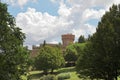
x=48, y=77
x=63, y=76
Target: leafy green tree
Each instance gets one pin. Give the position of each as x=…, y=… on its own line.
x=105, y=48
x=72, y=52
x=81, y=39
x=86, y=62
x=58, y=60
x=13, y=57
x=49, y=58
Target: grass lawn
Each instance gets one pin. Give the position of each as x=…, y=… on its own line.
x=71, y=70
x=35, y=75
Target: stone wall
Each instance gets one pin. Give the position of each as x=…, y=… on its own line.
x=66, y=40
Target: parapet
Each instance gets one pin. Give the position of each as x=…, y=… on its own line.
x=68, y=36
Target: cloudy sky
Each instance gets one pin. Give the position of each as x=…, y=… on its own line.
x=48, y=19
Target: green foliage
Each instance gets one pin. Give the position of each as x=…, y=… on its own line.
x=100, y=58
x=81, y=39
x=71, y=54
x=13, y=56
x=49, y=58
x=58, y=59
x=81, y=46
x=73, y=51
x=35, y=75
x=48, y=77
x=10, y=36
x=86, y=61
x=63, y=76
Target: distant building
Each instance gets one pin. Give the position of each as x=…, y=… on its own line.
x=66, y=40
x=34, y=51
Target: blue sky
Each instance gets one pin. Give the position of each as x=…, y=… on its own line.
x=48, y=19
x=40, y=5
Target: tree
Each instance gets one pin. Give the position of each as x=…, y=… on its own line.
x=58, y=59
x=44, y=43
x=86, y=63
x=11, y=47
x=49, y=58
x=81, y=39
x=72, y=52
x=105, y=48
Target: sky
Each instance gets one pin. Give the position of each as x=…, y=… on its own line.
x=48, y=19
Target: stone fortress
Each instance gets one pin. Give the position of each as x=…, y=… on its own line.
x=66, y=40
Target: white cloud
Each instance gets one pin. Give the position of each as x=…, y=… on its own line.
x=92, y=14
x=53, y=1
x=41, y=26
x=54, y=42
x=20, y=3
x=64, y=10
x=72, y=17
x=87, y=29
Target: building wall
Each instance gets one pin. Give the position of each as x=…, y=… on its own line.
x=34, y=51
x=66, y=40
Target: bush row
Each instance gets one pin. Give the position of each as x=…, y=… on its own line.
x=61, y=76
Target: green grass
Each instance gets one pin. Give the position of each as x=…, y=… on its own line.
x=74, y=76
x=71, y=70
x=35, y=75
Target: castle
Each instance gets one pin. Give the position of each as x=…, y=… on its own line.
x=66, y=40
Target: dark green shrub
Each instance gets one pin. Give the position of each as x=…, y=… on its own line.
x=63, y=76
x=48, y=77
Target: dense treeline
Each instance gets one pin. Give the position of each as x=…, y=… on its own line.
x=101, y=56
x=97, y=57
x=14, y=58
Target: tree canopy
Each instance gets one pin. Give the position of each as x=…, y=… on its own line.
x=13, y=56
x=49, y=58
x=81, y=39
x=101, y=59
x=72, y=52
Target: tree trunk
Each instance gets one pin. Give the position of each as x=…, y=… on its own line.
x=116, y=74
x=52, y=71
x=116, y=78
x=45, y=72
x=110, y=78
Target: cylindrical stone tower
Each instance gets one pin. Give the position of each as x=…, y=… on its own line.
x=67, y=39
